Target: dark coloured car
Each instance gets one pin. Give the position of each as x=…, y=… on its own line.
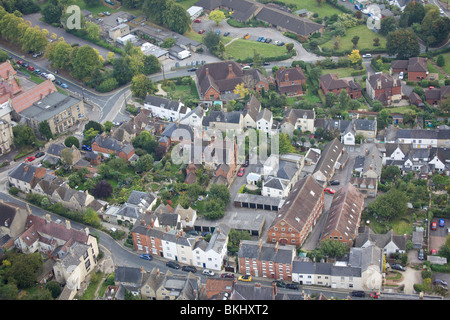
x=86, y=148
x=266, y=63
x=58, y=82
x=189, y=269
x=146, y=256
x=292, y=286
x=441, y=282
x=192, y=69
x=268, y=40
x=173, y=265
x=25, y=65
x=397, y=266
x=245, y=163
x=335, y=182
x=360, y=294
x=279, y=283
x=226, y=34
x=39, y=154
x=227, y=275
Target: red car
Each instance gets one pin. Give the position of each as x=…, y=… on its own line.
x=29, y=159
x=227, y=275
x=31, y=68
x=201, y=31
x=375, y=295
x=329, y=190
x=433, y=225
x=433, y=252
x=197, y=20
x=19, y=62
x=241, y=172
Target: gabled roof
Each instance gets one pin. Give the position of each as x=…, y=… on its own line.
x=329, y=156
x=161, y=102
x=7, y=75
x=266, y=251
x=27, y=98
x=293, y=74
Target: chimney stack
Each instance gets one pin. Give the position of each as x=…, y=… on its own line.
x=286, y=77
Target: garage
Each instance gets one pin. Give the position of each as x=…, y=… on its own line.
x=252, y=201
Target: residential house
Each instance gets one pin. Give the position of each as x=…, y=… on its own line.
x=373, y=163
x=298, y=119
x=129, y=279
x=329, y=161
x=119, y=31
x=187, y=216
x=25, y=176
x=152, y=285
x=165, y=108
x=331, y=83
x=6, y=125
x=178, y=246
x=217, y=80
x=212, y=254
x=26, y=99
x=54, y=153
x=344, y=215
x=48, y=184
x=9, y=85
x=439, y=159
x=384, y=88
x=290, y=81
x=70, y=198
x=433, y=96
x=60, y=111
x=299, y=213
x=267, y=260
x=264, y=121
x=253, y=292
x=223, y=121
x=303, y=272
x=415, y=67
x=367, y=186
x=284, y=175
x=75, y=251
x=251, y=112
x=390, y=243
x=218, y=288
x=13, y=218
x=366, y=127
x=172, y=286
x=104, y=144
x=146, y=238
x=194, y=118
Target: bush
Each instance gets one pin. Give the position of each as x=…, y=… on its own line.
x=14, y=191
x=108, y=85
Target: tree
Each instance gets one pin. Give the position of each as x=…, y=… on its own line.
x=234, y=239
x=54, y=288
x=176, y=18
x=71, y=141
x=403, y=43
x=145, y=163
x=387, y=25
x=92, y=31
x=241, y=90
x=217, y=16
x=414, y=12
x=66, y=156
x=102, y=190
x=23, y=135
x=214, y=209
x=91, y=218
x=383, y=119
x=23, y=270
x=94, y=125
x=284, y=143
x=355, y=57
x=257, y=59
x=151, y=64
x=146, y=141
x=121, y=71
x=61, y=55
x=52, y=13
x=390, y=205
x=355, y=40
x=220, y=193
x=289, y=47
x=141, y=86
x=344, y=99
x=333, y=248
x=330, y=99
x=440, y=60
x=44, y=129
x=85, y=62
x=211, y=39
x=434, y=28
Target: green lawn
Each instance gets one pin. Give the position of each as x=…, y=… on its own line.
x=342, y=72
x=241, y=49
x=311, y=5
x=366, y=37
x=447, y=62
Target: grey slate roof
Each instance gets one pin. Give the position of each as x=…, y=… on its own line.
x=21, y=174
x=49, y=106
x=162, y=102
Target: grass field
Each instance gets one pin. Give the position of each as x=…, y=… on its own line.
x=342, y=72
x=323, y=10
x=241, y=49
x=366, y=37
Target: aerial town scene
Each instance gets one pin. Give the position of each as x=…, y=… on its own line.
x=224, y=150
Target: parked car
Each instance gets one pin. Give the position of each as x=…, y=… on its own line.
x=208, y=272
x=40, y=154
x=246, y=36
x=37, y=71
x=246, y=68
x=146, y=256
x=433, y=252
x=401, y=75
x=107, y=13
x=192, y=69
x=43, y=75
x=246, y=163
x=227, y=275
x=334, y=182
x=276, y=42
x=86, y=148
x=241, y=172
x=197, y=21
x=173, y=265
x=265, y=63
x=37, y=54
x=280, y=44
x=397, y=266
x=279, y=283
x=31, y=68
x=217, y=31
x=329, y=190
x=292, y=286
x=375, y=295
x=25, y=65
x=439, y=281
x=367, y=55
x=226, y=34
x=360, y=294
x=189, y=269
x=421, y=255
x=19, y=62
x=268, y=40
x=433, y=225
x=192, y=233
x=441, y=223
x=63, y=85
x=29, y=159
x=58, y=82
x=246, y=278
x=201, y=31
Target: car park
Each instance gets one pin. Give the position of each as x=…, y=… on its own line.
x=245, y=278
x=329, y=190
x=360, y=294
x=433, y=225
x=39, y=154
x=189, y=269
x=441, y=223
x=227, y=275
x=173, y=265
x=397, y=266
x=208, y=272
x=146, y=256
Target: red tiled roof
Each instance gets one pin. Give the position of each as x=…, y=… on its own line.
x=5, y=70
x=26, y=99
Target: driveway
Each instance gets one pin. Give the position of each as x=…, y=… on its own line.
x=255, y=33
